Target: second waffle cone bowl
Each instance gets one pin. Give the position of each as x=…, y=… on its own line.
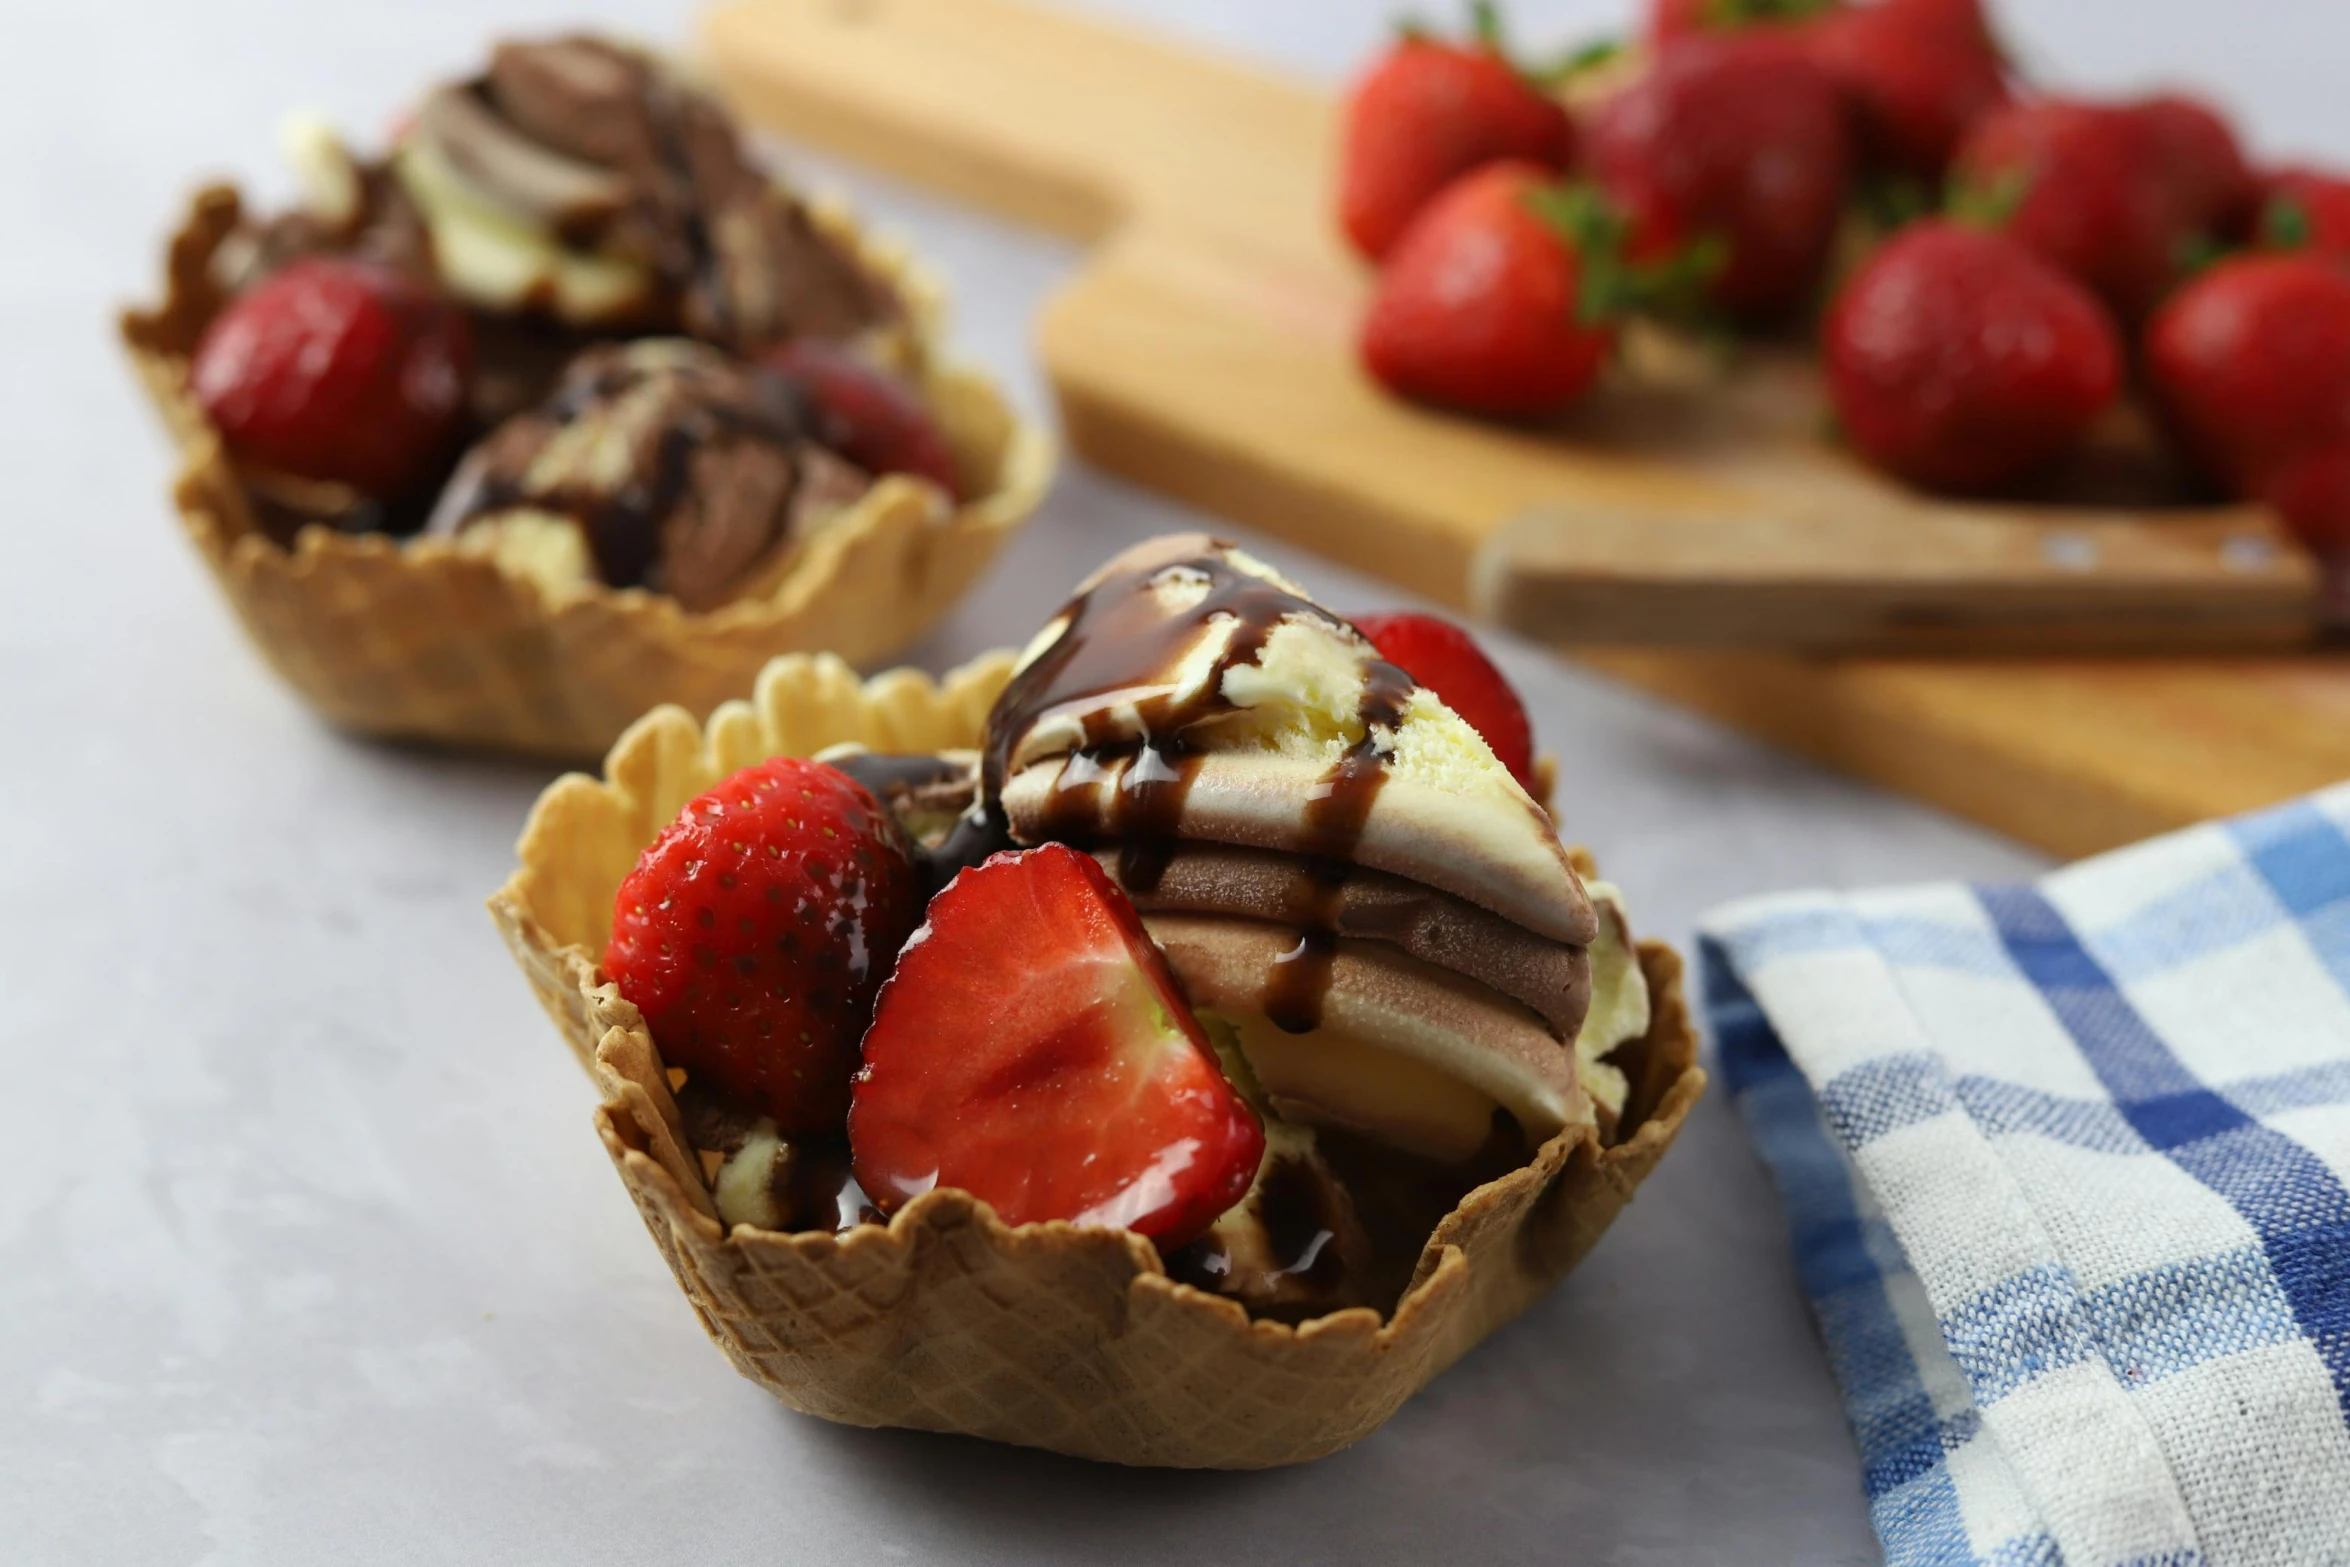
x=946, y=1319
x=418, y=640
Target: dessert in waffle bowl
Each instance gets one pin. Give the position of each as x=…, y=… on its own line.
x=1172, y=1046
x=562, y=410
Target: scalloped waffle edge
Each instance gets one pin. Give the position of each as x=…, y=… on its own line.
x=416, y=640
x=1045, y=1335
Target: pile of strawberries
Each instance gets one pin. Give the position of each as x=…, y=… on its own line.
x=1990, y=268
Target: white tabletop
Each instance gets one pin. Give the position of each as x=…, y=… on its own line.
x=307, y=1253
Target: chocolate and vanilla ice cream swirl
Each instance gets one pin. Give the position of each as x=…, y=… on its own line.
x=1340, y=871
x=584, y=180
x=1401, y=969
x=660, y=464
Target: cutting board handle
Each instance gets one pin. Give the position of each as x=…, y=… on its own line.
x=1041, y=116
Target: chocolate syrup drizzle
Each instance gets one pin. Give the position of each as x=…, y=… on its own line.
x=1119, y=648
x=974, y=836
x=816, y=1190
x=623, y=526
x=1301, y=1232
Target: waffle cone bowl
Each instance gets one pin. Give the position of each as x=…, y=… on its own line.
x=418, y=640
x=1046, y=1335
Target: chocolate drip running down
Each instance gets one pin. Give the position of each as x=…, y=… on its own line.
x=1304, y=1269
x=1119, y=649
x=920, y=785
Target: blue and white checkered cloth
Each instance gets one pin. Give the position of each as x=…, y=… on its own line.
x=2067, y=1170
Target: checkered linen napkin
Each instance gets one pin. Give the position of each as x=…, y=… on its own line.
x=2067, y=1170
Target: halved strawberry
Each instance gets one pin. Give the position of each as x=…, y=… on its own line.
x=1445, y=659
x=1032, y=1048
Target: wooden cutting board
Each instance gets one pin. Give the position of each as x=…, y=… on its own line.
x=1205, y=349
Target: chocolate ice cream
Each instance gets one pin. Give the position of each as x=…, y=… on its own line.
x=659, y=464
x=583, y=180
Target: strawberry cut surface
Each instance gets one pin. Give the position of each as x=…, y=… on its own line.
x=756, y=929
x=1033, y=1049
x=1447, y=660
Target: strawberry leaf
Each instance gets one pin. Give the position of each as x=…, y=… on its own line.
x=1488, y=33
x=1740, y=13
x=1893, y=201
x=2285, y=225
x=1595, y=232
x=2195, y=253
x=1992, y=203
x=1677, y=285
x=1584, y=57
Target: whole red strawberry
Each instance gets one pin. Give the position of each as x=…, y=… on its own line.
x=2194, y=154
x=1496, y=301
x=2305, y=209
x=1669, y=21
x=1034, y=1049
x=1960, y=360
x=2071, y=180
x=1917, y=73
x=2251, y=361
x=1428, y=112
x=755, y=931
x=1739, y=139
x=338, y=369
x=1445, y=659
x=868, y=415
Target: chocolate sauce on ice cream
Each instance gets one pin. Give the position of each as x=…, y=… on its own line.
x=1119, y=649
x=605, y=155
x=573, y=194
x=686, y=473
x=921, y=790
x=1310, y=1245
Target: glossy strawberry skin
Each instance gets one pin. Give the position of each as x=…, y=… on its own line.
x=1034, y=1050
x=755, y=931
x=1445, y=659
x=1425, y=114
x=2251, y=363
x=868, y=415
x=1961, y=361
x=2076, y=186
x=1737, y=136
x=1481, y=304
x=338, y=369
x=2195, y=155
x=1917, y=75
